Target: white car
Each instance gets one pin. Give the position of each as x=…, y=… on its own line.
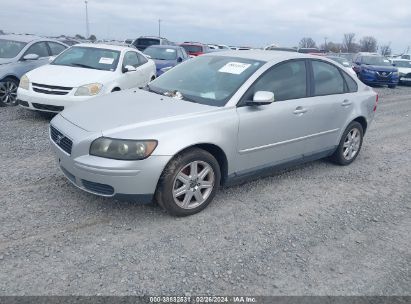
x=82, y=72
x=404, y=69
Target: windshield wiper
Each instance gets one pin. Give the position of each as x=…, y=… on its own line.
x=84, y=66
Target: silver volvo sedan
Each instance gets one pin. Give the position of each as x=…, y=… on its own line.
x=218, y=119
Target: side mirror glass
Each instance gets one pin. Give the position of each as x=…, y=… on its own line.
x=262, y=98
x=31, y=57
x=129, y=68
x=179, y=59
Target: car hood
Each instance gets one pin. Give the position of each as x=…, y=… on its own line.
x=66, y=76
x=380, y=68
x=5, y=60
x=404, y=70
x=130, y=109
x=164, y=63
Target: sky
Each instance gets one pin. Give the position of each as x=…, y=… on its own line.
x=233, y=22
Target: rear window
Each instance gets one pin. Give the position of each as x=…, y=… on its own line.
x=193, y=48
x=147, y=41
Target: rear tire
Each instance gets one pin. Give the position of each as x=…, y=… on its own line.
x=8, y=92
x=350, y=144
x=188, y=183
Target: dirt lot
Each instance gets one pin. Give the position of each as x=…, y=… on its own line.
x=317, y=229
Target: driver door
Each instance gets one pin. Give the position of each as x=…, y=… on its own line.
x=273, y=134
x=135, y=78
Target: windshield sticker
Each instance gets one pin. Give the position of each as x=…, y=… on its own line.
x=234, y=68
x=105, y=60
x=170, y=51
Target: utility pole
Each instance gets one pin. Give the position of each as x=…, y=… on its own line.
x=87, y=25
x=325, y=43
x=159, y=27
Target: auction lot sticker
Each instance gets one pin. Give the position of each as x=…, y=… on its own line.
x=234, y=68
x=105, y=60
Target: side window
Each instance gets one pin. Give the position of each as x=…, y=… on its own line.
x=131, y=58
x=142, y=59
x=351, y=84
x=287, y=81
x=39, y=48
x=56, y=48
x=327, y=79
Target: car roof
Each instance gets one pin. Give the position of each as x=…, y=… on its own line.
x=22, y=38
x=263, y=55
x=192, y=43
x=165, y=46
x=106, y=46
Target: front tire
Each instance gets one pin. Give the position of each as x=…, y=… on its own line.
x=8, y=92
x=350, y=144
x=188, y=183
x=393, y=86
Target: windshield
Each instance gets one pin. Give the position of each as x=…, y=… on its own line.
x=192, y=48
x=161, y=53
x=10, y=48
x=210, y=80
x=375, y=60
x=147, y=41
x=402, y=64
x=89, y=57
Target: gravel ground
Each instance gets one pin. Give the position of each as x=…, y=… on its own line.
x=318, y=229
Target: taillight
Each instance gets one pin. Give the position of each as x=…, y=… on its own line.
x=376, y=103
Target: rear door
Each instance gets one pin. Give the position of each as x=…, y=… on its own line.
x=328, y=108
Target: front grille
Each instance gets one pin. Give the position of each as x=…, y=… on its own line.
x=50, y=92
x=98, y=188
x=23, y=103
x=49, y=89
x=384, y=75
x=48, y=107
x=61, y=140
x=408, y=75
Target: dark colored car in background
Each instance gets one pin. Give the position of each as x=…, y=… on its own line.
x=195, y=48
x=166, y=56
x=374, y=69
x=145, y=41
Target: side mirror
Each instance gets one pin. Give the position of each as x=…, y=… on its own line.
x=129, y=68
x=261, y=98
x=394, y=64
x=179, y=59
x=31, y=57
x=52, y=58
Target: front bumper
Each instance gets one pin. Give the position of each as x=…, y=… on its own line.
x=47, y=102
x=374, y=79
x=130, y=180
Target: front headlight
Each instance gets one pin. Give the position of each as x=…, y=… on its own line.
x=122, y=149
x=89, y=89
x=24, y=82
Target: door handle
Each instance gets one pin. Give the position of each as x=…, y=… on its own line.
x=300, y=111
x=346, y=102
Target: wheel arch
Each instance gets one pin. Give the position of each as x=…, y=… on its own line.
x=14, y=77
x=362, y=121
x=216, y=152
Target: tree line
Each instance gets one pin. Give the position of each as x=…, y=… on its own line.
x=349, y=44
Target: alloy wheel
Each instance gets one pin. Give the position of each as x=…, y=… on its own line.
x=8, y=93
x=352, y=144
x=193, y=184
